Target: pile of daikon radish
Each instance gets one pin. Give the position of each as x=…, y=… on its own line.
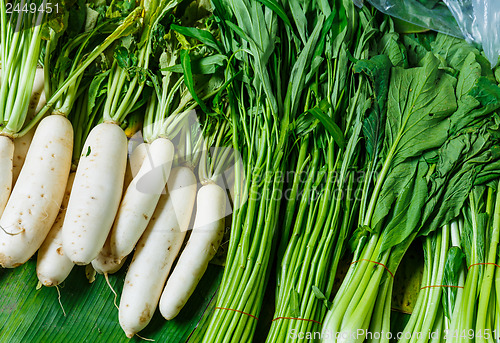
x=96, y=203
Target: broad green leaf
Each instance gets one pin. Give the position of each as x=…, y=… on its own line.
x=419, y=102
x=416, y=48
x=378, y=69
x=408, y=204
x=453, y=50
x=487, y=92
x=96, y=89
x=460, y=160
x=124, y=58
x=400, y=178
x=77, y=17
x=491, y=171
x=390, y=47
x=372, y=131
x=469, y=74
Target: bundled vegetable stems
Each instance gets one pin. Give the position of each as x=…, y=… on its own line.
x=322, y=208
x=449, y=308
x=257, y=125
x=476, y=312
x=418, y=186
x=442, y=284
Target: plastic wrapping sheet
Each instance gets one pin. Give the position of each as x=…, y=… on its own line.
x=478, y=21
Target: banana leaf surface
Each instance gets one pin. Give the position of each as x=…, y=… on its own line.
x=28, y=314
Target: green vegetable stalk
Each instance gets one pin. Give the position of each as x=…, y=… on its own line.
x=442, y=284
x=258, y=122
x=474, y=317
x=323, y=206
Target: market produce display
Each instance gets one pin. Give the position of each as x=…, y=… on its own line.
x=266, y=164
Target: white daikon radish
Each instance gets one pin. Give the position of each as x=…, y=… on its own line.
x=36, y=198
x=141, y=198
x=201, y=247
x=22, y=144
x=105, y=263
x=52, y=265
x=12, y=156
x=156, y=252
x=6, y=154
x=96, y=193
x=135, y=160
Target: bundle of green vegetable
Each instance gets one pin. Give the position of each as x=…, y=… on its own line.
x=352, y=137
x=431, y=150
x=476, y=313
x=441, y=285
x=322, y=208
x=255, y=105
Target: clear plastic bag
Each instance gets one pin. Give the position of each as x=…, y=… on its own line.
x=478, y=21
